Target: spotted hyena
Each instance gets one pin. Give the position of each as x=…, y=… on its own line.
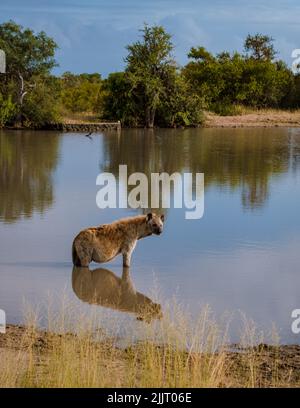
x=103, y=243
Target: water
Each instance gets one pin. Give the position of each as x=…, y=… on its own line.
x=243, y=255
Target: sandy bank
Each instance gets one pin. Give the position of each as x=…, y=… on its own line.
x=263, y=118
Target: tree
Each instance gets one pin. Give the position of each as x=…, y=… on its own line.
x=180, y=105
x=227, y=80
x=119, y=103
x=28, y=56
x=260, y=47
x=203, y=74
x=82, y=93
x=200, y=54
x=42, y=105
x=149, y=63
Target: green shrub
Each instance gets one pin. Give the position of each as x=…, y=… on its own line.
x=7, y=110
x=42, y=105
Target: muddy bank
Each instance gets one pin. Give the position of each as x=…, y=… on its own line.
x=281, y=363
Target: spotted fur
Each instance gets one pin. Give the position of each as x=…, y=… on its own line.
x=104, y=243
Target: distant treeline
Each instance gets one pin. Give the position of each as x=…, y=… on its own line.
x=153, y=90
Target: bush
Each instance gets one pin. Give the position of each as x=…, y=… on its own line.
x=180, y=106
x=82, y=93
x=226, y=81
x=7, y=110
x=42, y=105
x=225, y=108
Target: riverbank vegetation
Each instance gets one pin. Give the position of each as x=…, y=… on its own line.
x=173, y=353
x=153, y=90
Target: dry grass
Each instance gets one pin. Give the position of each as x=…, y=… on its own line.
x=82, y=118
x=175, y=354
x=249, y=117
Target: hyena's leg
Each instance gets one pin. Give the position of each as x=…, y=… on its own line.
x=84, y=251
x=126, y=259
x=127, y=252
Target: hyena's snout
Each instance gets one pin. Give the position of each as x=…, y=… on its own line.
x=158, y=230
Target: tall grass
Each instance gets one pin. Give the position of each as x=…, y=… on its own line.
x=175, y=352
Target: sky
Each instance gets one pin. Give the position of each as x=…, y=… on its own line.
x=92, y=34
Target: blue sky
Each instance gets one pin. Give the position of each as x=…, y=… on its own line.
x=92, y=34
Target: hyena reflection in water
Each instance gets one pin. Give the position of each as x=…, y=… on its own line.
x=102, y=287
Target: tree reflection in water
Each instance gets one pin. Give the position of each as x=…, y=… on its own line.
x=27, y=161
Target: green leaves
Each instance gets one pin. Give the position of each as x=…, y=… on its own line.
x=29, y=60
x=149, y=65
x=41, y=105
x=27, y=53
x=7, y=110
x=260, y=47
x=119, y=101
x=82, y=93
x=152, y=90
x=252, y=79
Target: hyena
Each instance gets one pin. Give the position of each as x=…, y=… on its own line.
x=103, y=243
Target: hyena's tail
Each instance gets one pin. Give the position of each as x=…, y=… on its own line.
x=75, y=257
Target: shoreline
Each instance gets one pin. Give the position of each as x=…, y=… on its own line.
x=72, y=127
x=267, y=118
x=24, y=345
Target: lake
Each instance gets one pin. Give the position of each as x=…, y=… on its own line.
x=242, y=255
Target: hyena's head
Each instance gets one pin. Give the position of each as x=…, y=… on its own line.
x=155, y=223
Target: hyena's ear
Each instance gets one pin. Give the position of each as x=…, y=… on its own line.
x=149, y=217
x=162, y=217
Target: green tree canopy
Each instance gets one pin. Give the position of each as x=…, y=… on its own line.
x=82, y=93
x=227, y=80
x=149, y=65
x=260, y=47
x=29, y=56
x=27, y=53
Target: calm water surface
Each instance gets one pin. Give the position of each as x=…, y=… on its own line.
x=243, y=255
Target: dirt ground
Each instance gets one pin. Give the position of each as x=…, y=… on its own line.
x=263, y=118
x=287, y=357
